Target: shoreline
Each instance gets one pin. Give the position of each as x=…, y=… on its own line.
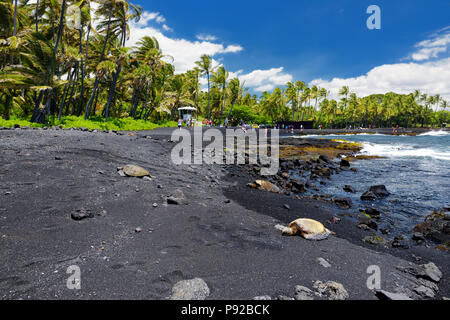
x=232, y=245
x=163, y=130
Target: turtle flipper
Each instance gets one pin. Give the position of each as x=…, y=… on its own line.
x=316, y=237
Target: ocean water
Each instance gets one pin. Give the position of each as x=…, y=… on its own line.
x=416, y=171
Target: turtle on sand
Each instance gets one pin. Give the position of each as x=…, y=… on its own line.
x=132, y=170
x=307, y=228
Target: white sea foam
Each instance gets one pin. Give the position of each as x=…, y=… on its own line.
x=403, y=151
x=436, y=133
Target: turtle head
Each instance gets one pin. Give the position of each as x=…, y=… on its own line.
x=285, y=230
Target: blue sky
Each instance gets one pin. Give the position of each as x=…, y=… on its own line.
x=268, y=42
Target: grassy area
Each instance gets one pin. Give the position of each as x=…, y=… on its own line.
x=125, y=124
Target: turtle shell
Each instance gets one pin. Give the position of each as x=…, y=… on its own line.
x=132, y=170
x=308, y=226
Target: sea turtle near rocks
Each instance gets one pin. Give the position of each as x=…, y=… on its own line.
x=306, y=228
x=132, y=170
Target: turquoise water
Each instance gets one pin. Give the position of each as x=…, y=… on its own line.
x=416, y=171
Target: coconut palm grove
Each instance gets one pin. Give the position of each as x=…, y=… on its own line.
x=60, y=66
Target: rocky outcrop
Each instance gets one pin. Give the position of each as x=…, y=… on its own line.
x=436, y=227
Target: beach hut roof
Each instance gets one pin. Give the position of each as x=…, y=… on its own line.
x=188, y=109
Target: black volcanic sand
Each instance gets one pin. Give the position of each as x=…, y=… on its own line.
x=46, y=175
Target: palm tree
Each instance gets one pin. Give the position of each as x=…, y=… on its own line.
x=344, y=92
x=205, y=64
x=236, y=91
x=220, y=78
x=292, y=96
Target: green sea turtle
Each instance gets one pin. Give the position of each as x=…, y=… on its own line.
x=132, y=170
x=307, y=228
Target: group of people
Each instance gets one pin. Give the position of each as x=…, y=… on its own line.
x=189, y=123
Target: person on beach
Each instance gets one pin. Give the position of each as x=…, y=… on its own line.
x=180, y=123
x=243, y=127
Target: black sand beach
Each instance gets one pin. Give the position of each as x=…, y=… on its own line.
x=129, y=248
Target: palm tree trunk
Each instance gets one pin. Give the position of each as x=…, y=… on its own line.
x=136, y=103
x=91, y=100
x=64, y=95
x=37, y=112
x=208, y=96
x=83, y=68
x=15, y=18
x=36, y=18
x=74, y=88
x=112, y=90
x=223, y=105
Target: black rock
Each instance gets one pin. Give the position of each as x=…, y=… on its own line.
x=325, y=158
x=81, y=215
x=343, y=203
x=374, y=213
x=380, y=191
x=344, y=164
x=298, y=186
x=417, y=236
x=399, y=243
x=368, y=196
x=365, y=221
x=349, y=188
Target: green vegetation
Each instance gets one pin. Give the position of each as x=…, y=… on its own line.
x=55, y=65
x=124, y=124
x=248, y=115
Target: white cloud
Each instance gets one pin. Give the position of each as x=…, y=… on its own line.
x=146, y=17
x=425, y=71
x=265, y=80
x=432, y=48
x=184, y=52
x=206, y=37
x=166, y=28
x=431, y=77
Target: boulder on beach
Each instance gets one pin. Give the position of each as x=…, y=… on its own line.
x=195, y=289
x=332, y=290
x=177, y=198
